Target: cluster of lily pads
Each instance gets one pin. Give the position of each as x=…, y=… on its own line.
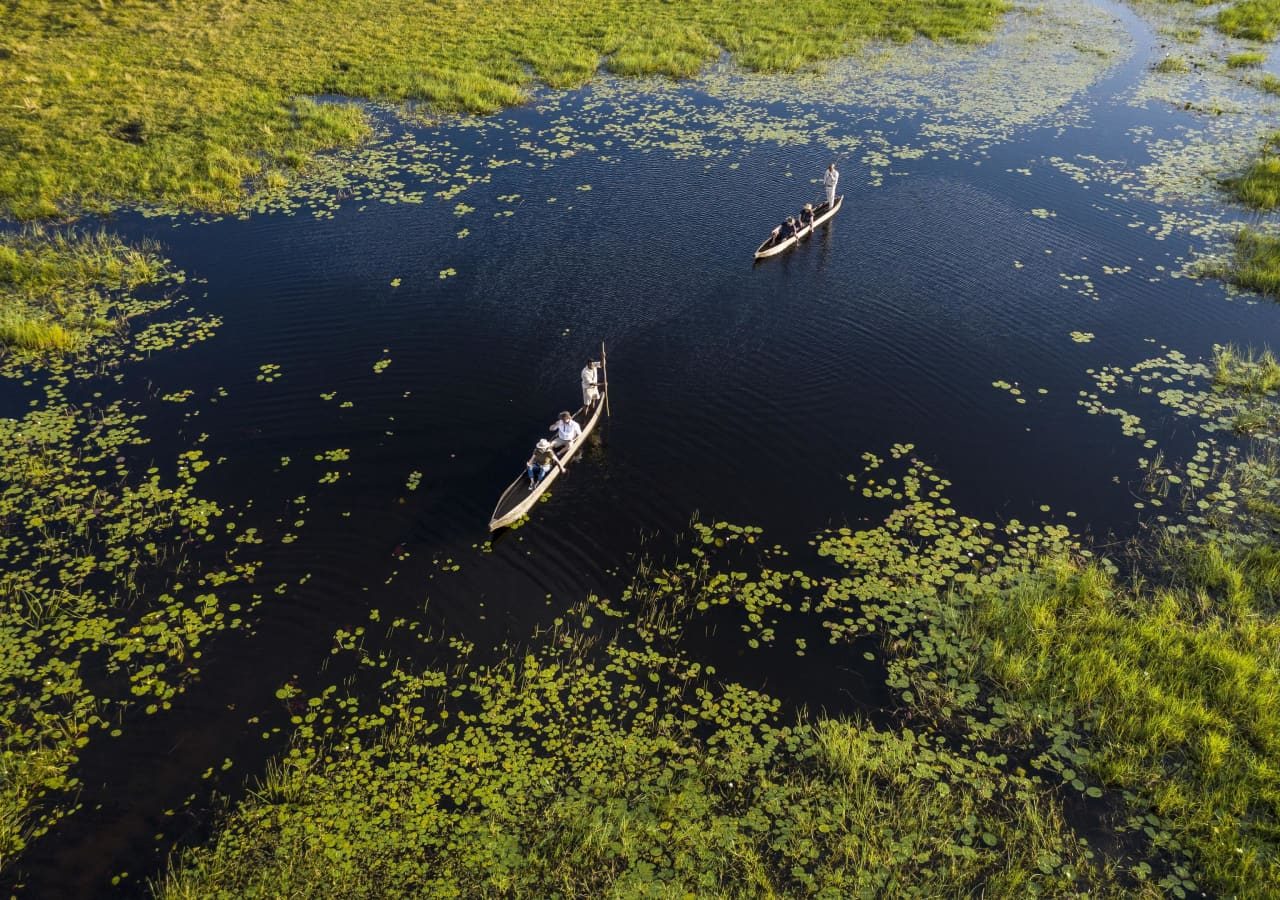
x=109, y=589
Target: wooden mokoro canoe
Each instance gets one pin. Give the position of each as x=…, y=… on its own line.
x=822, y=214
x=518, y=499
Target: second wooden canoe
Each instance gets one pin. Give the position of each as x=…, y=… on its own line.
x=772, y=246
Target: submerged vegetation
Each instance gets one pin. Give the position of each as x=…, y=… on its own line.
x=189, y=105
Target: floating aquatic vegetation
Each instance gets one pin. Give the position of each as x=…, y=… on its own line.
x=81, y=534
x=615, y=767
x=1012, y=388
x=268, y=372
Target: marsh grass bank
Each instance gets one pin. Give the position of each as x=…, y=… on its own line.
x=188, y=105
x=59, y=289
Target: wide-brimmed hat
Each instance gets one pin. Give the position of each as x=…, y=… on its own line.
x=808, y=206
x=566, y=414
x=544, y=444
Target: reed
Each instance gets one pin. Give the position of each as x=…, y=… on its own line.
x=1172, y=65
x=1181, y=684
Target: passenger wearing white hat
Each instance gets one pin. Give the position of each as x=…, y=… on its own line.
x=540, y=462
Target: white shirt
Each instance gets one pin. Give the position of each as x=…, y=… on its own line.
x=568, y=431
x=590, y=376
x=830, y=177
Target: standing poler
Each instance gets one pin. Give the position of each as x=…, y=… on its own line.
x=829, y=179
x=590, y=383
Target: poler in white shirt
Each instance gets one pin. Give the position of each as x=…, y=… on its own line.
x=829, y=179
x=590, y=382
x=566, y=429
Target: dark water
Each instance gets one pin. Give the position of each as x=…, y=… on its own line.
x=739, y=392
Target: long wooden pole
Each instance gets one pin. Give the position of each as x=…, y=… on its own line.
x=604, y=364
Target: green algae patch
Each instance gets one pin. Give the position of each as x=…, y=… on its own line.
x=186, y=106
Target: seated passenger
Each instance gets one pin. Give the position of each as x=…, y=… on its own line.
x=566, y=429
x=540, y=462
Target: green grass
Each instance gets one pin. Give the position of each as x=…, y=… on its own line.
x=1257, y=262
x=1245, y=372
x=1259, y=186
x=1255, y=20
x=1172, y=65
x=190, y=105
x=1247, y=60
x=1269, y=83
x=1180, y=685
x=57, y=286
